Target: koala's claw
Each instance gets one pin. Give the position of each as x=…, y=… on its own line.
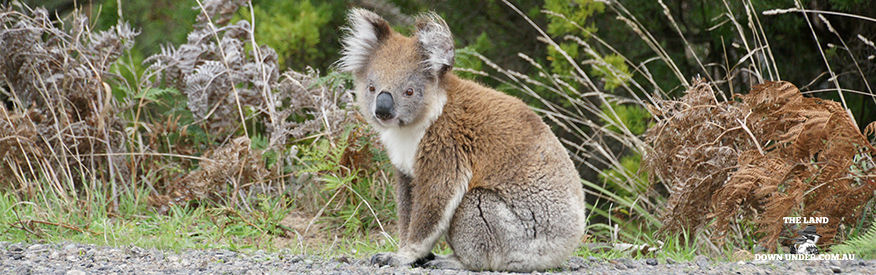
x=444, y=262
x=389, y=258
x=422, y=261
x=381, y=259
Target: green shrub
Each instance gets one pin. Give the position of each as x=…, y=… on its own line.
x=302, y=33
x=863, y=245
x=350, y=191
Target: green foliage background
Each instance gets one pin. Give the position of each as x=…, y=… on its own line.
x=305, y=33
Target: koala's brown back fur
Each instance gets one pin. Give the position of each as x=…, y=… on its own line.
x=498, y=133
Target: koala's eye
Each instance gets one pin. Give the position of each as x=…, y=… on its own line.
x=371, y=88
x=409, y=92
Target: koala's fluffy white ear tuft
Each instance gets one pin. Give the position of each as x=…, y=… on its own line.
x=436, y=43
x=365, y=32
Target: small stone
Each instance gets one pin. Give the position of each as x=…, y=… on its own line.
x=836, y=269
x=75, y=272
x=651, y=261
x=702, y=261
x=670, y=261
x=576, y=263
x=22, y=270
x=342, y=259
x=69, y=247
x=627, y=262
x=592, y=259
x=16, y=247
x=294, y=259
x=136, y=251
x=36, y=248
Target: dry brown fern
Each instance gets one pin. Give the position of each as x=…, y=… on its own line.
x=69, y=118
x=806, y=168
x=222, y=175
x=784, y=155
x=693, y=150
x=58, y=118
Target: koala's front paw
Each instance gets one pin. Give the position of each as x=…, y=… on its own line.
x=391, y=259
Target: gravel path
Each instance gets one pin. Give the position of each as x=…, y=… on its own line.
x=71, y=258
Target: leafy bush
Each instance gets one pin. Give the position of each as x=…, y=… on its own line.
x=302, y=33
x=352, y=192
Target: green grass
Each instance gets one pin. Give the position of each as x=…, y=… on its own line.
x=197, y=226
x=182, y=227
x=203, y=227
x=679, y=248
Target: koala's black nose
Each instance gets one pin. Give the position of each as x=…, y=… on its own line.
x=384, y=109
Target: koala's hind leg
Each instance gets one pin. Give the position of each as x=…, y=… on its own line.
x=493, y=232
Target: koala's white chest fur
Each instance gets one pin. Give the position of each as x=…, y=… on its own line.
x=401, y=143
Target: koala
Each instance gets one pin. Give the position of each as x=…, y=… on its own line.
x=472, y=164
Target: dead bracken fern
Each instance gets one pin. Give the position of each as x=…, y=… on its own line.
x=214, y=70
x=807, y=168
x=220, y=175
x=775, y=154
x=220, y=79
x=73, y=124
x=59, y=119
x=694, y=149
x=228, y=79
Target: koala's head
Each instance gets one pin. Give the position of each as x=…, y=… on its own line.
x=397, y=78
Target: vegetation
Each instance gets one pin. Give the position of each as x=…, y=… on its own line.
x=863, y=245
x=200, y=124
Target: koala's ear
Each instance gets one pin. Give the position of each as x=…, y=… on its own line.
x=365, y=32
x=435, y=43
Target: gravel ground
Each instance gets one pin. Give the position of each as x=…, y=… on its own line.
x=71, y=258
